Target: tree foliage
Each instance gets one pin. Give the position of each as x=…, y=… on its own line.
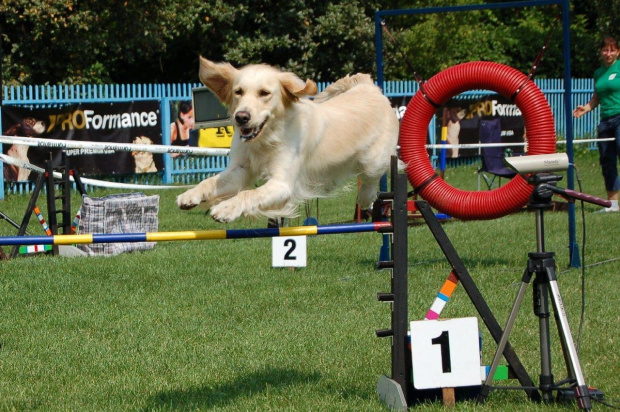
x=132, y=41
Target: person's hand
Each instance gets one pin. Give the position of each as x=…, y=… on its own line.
x=581, y=110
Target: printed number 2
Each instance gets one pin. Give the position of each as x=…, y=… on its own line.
x=443, y=340
x=289, y=253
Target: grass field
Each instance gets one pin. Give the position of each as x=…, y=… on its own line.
x=211, y=325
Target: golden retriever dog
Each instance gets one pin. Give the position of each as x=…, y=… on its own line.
x=300, y=148
x=144, y=160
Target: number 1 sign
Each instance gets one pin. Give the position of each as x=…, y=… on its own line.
x=289, y=251
x=445, y=353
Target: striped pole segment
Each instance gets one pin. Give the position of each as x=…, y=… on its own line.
x=195, y=235
x=46, y=227
x=76, y=221
x=442, y=297
x=24, y=250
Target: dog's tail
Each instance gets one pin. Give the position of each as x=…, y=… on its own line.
x=342, y=85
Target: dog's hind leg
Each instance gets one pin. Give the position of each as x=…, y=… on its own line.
x=367, y=192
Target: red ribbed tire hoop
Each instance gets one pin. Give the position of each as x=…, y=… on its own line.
x=440, y=88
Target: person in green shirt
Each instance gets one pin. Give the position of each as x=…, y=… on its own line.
x=607, y=95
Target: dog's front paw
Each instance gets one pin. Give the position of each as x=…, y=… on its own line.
x=226, y=211
x=188, y=200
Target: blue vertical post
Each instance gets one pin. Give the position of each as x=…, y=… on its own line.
x=575, y=260
x=384, y=252
x=379, y=49
x=1, y=149
x=1, y=101
x=164, y=109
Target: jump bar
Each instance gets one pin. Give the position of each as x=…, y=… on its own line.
x=196, y=235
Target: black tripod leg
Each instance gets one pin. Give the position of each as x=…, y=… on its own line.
x=541, y=310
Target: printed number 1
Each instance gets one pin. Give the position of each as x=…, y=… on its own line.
x=443, y=340
x=289, y=253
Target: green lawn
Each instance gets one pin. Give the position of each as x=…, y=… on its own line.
x=210, y=325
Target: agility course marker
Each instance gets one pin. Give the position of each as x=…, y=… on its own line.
x=196, y=235
x=289, y=251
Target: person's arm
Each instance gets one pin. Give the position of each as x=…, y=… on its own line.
x=174, y=133
x=588, y=107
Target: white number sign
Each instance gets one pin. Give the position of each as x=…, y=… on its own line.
x=289, y=251
x=445, y=353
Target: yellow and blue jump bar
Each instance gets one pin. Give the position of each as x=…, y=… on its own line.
x=196, y=235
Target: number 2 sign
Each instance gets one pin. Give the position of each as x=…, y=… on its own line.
x=289, y=251
x=445, y=353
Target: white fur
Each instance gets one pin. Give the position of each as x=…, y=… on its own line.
x=304, y=149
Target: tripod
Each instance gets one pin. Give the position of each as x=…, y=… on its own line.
x=541, y=266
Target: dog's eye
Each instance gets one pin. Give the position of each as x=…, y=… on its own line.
x=239, y=92
x=264, y=93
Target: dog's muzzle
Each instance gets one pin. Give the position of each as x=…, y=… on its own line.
x=242, y=118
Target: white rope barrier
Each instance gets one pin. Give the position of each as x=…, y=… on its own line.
x=481, y=145
x=607, y=139
x=470, y=145
x=155, y=148
x=117, y=147
x=92, y=182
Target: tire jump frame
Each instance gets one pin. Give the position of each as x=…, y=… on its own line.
x=502, y=79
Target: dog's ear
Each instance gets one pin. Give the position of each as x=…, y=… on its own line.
x=294, y=87
x=218, y=77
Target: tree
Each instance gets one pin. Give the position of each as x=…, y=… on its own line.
x=312, y=38
x=140, y=41
x=515, y=36
x=54, y=41
x=66, y=41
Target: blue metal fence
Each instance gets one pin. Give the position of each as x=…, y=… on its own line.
x=190, y=169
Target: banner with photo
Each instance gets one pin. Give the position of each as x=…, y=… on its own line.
x=183, y=130
x=131, y=122
x=489, y=119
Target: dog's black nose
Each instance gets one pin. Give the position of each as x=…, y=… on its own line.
x=242, y=118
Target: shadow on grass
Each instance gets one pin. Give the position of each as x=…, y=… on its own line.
x=220, y=395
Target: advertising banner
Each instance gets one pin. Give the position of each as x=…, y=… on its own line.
x=131, y=122
x=489, y=119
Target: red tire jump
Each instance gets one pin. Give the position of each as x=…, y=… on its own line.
x=439, y=89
